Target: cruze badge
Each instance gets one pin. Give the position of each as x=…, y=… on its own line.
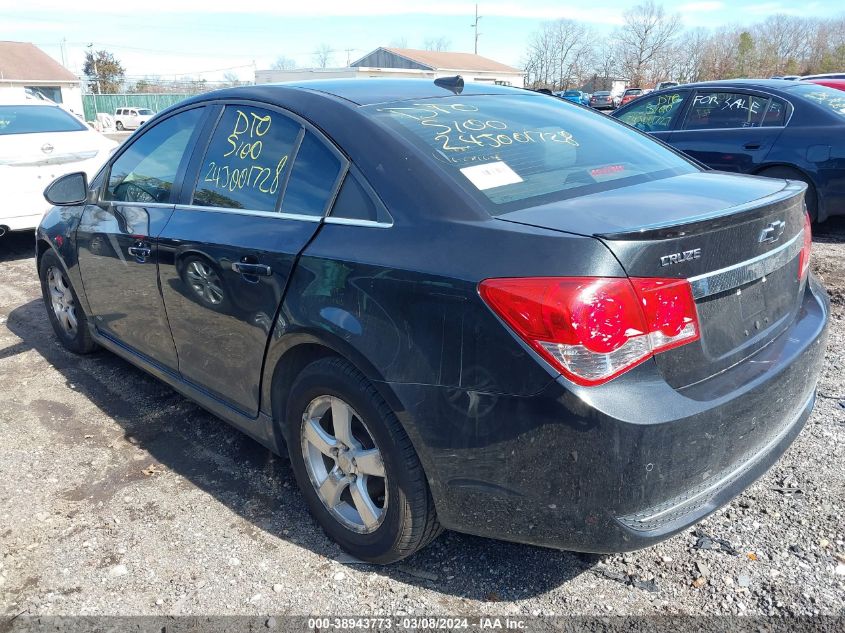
x=772, y=232
x=677, y=258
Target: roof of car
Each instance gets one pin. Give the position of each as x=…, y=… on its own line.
x=777, y=84
x=364, y=91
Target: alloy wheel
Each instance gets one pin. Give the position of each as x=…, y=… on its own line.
x=344, y=464
x=61, y=300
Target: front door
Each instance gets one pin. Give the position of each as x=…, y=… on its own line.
x=116, y=238
x=226, y=255
x=727, y=131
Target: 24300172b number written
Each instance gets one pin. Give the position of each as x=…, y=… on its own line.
x=242, y=169
x=252, y=176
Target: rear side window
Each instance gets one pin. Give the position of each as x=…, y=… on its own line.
x=33, y=119
x=776, y=114
x=720, y=110
x=146, y=171
x=247, y=160
x=520, y=150
x=354, y=202
x=312, y=181
x=654, y=114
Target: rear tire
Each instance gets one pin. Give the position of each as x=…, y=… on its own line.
x=63, y=309
x=811, y=198
x=383, y=510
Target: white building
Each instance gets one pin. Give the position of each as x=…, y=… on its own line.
x=407, y=62
x=26, y=68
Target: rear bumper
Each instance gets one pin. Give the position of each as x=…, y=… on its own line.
x=620, y=466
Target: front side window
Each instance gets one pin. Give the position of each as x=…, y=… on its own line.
x=720, y=110
x=35, y=119
x=516, y=151
x=146, y=171
x=654, y=114
x=248, y=159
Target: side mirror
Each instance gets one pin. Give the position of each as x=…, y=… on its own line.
x=68, y=190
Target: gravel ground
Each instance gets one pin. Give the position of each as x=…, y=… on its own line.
x=118, y=496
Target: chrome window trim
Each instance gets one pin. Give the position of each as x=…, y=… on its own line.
x=135, y=203
x=353, y=222
x=746, y=271
x=252, y=212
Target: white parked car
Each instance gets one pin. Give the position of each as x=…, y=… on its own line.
x=38, y=143
x=131, y=118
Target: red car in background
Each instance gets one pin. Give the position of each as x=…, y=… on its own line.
x=630, y=94
x=839, y=84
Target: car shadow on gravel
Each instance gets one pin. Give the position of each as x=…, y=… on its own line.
x=252, y=482
x=17, y=245
x=832, y=230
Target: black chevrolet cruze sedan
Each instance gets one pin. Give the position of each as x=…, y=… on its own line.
x=464, y=307
x=768, y=127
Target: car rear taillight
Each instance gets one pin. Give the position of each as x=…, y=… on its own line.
x=804, y=255
x=593, y=329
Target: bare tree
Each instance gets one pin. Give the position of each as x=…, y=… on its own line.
x=645, y=40
x=399, y=42
x=438, y=44
x=283, y=63
x=323, y=55
x=559, y=55
x=231, y=79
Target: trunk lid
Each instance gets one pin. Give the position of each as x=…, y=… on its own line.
x=736, y=239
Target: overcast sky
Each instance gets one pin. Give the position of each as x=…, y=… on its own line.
x=206, y=38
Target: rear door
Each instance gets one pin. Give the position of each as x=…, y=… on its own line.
x=656, y=114
x=257, y=195
x=728, y=130
x=116, y=236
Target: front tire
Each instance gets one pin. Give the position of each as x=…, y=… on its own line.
x=119, y=126
x=66, y=315
x=356, y=467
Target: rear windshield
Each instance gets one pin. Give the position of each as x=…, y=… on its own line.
x=31, y=119
x=830, y=98
x=633, y=92
x=517, y=151
x=572, y=93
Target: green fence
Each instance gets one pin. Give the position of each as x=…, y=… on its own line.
x=109, y=103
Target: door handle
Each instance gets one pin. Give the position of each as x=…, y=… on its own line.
x=141, y=252
x=252, y=269
x=751, y=146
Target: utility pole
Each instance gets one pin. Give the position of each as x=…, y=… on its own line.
x=62, y=48
x=475, y=26
x=348, y=58
x=96, y=72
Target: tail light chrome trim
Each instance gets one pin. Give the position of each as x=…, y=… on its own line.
x=746, y=271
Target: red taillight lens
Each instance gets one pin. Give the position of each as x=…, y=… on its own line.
x=593, y=329
x=804, y=255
